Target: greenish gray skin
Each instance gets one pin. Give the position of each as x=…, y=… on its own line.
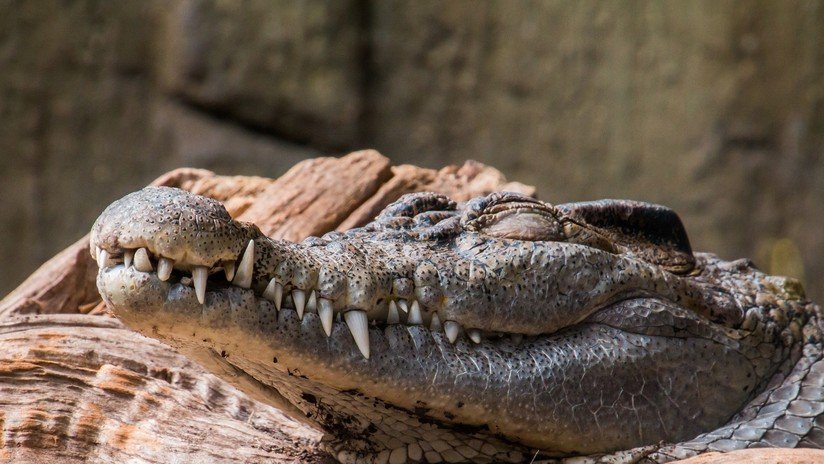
x=597, y=332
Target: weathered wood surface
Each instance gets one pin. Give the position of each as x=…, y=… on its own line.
x=83, y=388
x=760, y=456
x=75, y=385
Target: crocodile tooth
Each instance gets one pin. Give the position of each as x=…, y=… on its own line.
x=243, y=273
x=128, y=257
x=274, y=293
x=164, y=268
x=97, y=251
x=451, y=328
x=141, y=260
x=199, y=276
x=392, y=316
x=402, y=305
x=299, y=297
x=359, y=326
x=102, y=258
x=435, y=323
x=326, y=314
x=415, y=314
x=229, y=270
x=312, y=303
x=474, y=335
x=278, y=295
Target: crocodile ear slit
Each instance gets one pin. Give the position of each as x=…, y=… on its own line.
x=652, y=232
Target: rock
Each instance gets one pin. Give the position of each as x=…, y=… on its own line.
x=291, y=69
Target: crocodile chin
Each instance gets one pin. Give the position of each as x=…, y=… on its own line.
x=441, y=332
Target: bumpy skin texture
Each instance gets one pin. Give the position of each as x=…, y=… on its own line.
x=586, y=329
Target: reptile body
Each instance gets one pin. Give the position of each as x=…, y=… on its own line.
x=504, y=329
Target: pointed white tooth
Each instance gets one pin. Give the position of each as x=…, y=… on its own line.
x=299, y=297
x=229, y=270
x=474, y=335
x=278, y=294
x=97, y=251
x=392, y=317
x=326, y=314
x=244, y=271
x=339, y=317
x=128, y=257
x=312, y=303
x=141, y=260
x=359, y=326
x=435, y=323
x=164, y=268
x=415, y=314
x=274, y=293
x=451, y=328
x=102, y=258
x=403, y=306
x=199, y=276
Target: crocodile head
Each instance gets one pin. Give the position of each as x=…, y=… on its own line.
x=475, y=332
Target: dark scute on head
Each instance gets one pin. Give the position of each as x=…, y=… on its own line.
x=653, y=232
x=412, y=204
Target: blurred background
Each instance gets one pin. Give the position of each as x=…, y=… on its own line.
x=715, y=108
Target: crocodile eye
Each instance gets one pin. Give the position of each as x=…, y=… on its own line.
x=513, y=216
x=650, y=232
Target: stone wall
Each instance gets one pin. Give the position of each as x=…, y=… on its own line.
x=715, y=108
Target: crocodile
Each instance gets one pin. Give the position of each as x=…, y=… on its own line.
x=501, y=329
